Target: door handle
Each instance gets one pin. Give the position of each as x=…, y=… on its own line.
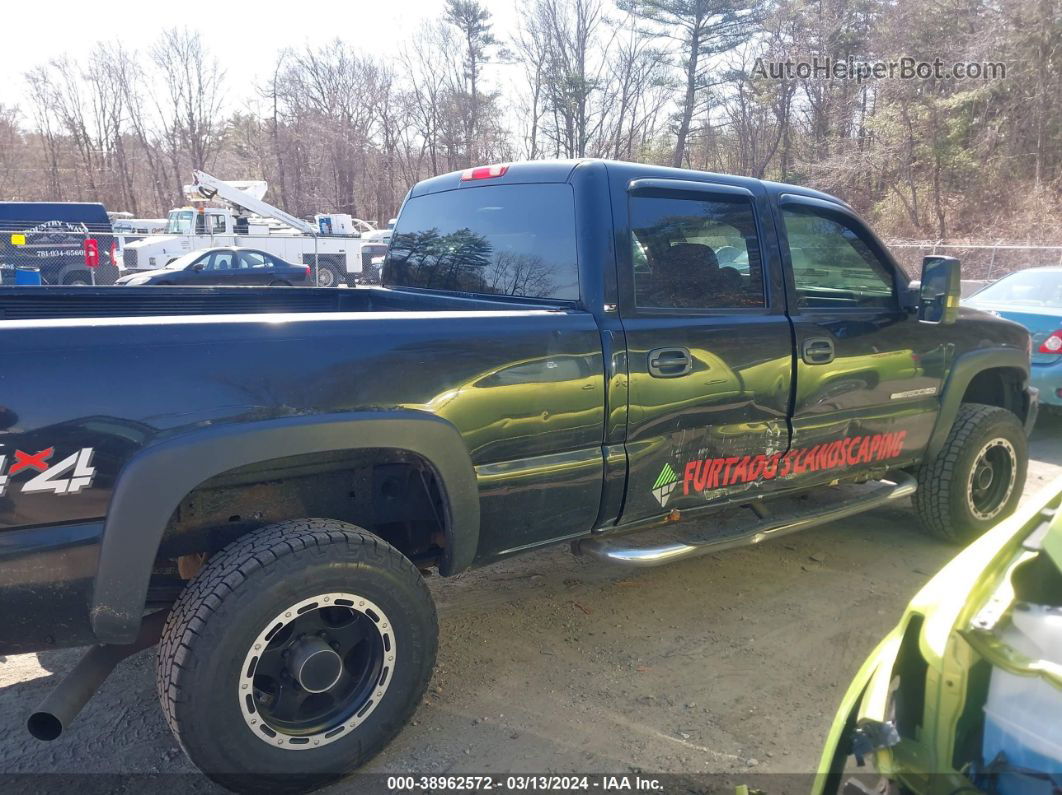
x=670, y=362
x=817, y=350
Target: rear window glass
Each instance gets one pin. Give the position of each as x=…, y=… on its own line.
x=514, y=240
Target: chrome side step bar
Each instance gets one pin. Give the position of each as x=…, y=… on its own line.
x=895, y=486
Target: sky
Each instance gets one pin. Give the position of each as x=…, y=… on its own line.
x=244, y=36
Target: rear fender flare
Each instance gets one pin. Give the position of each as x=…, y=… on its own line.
x=153, y=483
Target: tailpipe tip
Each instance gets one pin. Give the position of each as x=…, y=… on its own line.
x=44, y=726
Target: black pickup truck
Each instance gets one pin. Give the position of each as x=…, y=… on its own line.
x=560, y=351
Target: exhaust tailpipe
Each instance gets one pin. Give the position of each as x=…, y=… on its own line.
x=66, y=700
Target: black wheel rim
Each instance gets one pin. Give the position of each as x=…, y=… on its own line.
x=318, y=670
x=992, y=477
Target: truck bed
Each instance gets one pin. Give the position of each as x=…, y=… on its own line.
x=35, y=303
x=116, y=370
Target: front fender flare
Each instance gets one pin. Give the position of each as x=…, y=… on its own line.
x=962, y=371
x=153, y=483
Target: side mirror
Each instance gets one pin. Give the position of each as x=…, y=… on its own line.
x=198, y=267
x=940, y=291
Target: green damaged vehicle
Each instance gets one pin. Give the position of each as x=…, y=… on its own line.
x=965, y=694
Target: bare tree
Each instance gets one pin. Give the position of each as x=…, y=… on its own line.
x=190, y=105
x=336, y=128
x=424, y=63
x=530, y=45
x=13, y=150
x=637, y=89
x=329, y=97
x=42, y=103
x=572, y=79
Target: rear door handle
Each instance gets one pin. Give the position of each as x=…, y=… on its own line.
x=817, y=350
x=670, y=362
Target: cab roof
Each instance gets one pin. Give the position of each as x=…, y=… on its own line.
x=539, y=171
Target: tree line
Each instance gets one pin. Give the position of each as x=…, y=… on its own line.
x=677, y=82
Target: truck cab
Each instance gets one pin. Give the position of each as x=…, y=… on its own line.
x=199, y=222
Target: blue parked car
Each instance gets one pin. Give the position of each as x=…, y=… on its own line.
x=1033, y=298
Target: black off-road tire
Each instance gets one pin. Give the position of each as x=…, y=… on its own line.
x=950, y=504
x=219, y=618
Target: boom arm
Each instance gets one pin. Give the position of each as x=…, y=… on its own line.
x=210, y=186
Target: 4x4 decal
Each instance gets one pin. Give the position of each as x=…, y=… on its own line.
x=69, y=476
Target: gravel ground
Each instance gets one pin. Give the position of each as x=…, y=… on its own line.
x=731, y=664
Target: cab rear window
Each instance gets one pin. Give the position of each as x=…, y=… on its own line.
x=516, y=240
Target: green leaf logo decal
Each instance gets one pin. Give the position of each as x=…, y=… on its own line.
x=665, y=484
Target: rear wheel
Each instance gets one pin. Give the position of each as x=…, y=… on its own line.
x=978, y=476
x=295, y=655
x=328, y=275
x=77, y=279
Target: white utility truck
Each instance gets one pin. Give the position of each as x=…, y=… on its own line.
x=380, y=235
x=240, y=217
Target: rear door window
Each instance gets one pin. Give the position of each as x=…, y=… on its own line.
x=695, y=253
x=254, y=259
x=516, y=240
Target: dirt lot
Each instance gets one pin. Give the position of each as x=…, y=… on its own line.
x=732, y=663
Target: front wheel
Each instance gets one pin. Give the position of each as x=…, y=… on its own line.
x=295, y=655
x=977, y=477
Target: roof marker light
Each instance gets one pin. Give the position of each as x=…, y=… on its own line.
x=484, y=172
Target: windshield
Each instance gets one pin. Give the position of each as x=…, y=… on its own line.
x=183, y=262
x=1033, y=287
x=180, y=222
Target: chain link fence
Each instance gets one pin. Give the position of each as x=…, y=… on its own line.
x=982, y=262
